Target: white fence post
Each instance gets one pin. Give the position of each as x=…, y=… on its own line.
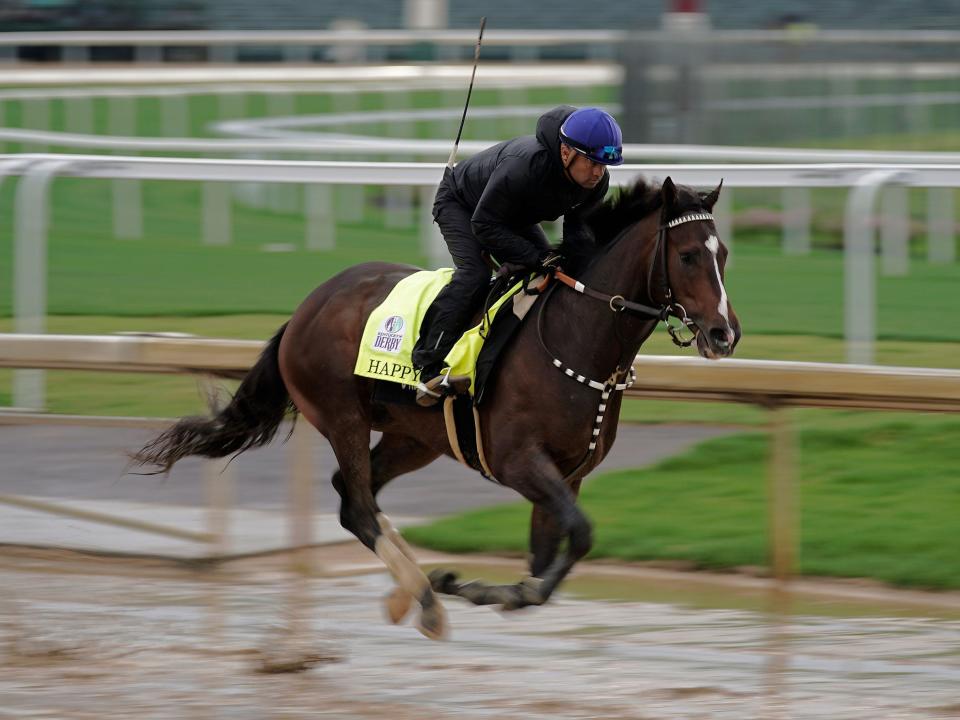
x=859, y=284
x=127, y=195
x=941, y=243
x=431, y=239
x=79, y=112
x=895, y=231
x=30, y=273
x=174, y=116
x=321, y=227
x=36, y=116
x=350, y=198
x=797, y=215
x=217, y=215
x=282, y=197
x=398, y=199
x=723, y=220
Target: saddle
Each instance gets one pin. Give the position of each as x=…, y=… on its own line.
x=393, y=327
x=391, y=332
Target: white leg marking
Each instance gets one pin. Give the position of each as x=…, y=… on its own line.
x=713, y=245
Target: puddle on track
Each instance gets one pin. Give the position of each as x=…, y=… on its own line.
x=177, y=645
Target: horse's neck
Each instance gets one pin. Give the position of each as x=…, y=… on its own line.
x=625, y=268
x=601, y=339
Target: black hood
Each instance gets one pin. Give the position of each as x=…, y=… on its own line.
x=548, y=130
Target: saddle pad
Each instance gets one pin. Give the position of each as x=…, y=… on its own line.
x=394, y=326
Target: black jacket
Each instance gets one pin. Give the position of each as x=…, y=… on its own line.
x=512, y=186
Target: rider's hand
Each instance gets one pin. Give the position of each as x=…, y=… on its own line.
x=509, y=269
x=549, y=262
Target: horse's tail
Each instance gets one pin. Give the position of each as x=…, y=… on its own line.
x=250, y=420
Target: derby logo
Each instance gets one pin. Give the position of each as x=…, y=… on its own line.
x=390, y=335
x=393, y=324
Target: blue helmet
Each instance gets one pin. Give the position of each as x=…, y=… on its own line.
x=595, y=134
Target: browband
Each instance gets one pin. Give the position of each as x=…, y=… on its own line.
x=689, y=218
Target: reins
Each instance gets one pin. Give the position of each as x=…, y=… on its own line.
x=618, y=303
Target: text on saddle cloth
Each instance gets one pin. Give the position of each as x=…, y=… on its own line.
x=393, y=327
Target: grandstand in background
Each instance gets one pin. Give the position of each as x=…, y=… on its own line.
x=507, y=14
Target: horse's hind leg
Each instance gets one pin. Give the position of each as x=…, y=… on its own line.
x=395, y=455
x=360, y=515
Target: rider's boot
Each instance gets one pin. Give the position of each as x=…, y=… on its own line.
x=436, y=384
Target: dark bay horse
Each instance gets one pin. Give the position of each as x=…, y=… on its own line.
x=657, y=254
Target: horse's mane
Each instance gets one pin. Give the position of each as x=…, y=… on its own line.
x=618, y=212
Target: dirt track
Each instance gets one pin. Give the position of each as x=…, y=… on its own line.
x=118, y=640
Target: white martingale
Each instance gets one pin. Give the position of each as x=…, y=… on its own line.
x=605, y=389
x=713, y=245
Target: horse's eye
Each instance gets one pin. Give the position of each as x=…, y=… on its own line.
x=688, y=258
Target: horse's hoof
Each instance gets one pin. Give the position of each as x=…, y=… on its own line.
x=524, y=594
x=443, y=581
x=397, y=605
x=433, y=622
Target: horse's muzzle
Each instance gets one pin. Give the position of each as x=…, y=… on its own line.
x=717, y=342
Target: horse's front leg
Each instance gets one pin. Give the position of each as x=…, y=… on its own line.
x=556, y=517
x=546, y=536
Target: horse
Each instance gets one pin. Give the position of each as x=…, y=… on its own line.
x=543, y=425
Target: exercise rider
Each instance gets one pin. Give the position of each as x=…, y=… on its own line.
x=494, y=201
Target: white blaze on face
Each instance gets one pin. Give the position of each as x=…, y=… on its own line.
x=713, y=245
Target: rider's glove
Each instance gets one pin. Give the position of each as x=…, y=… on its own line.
x=549, y=262
x=509, y=269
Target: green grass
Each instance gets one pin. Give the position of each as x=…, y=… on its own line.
x=880, y=499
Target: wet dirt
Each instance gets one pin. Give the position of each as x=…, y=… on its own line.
x=122, y=639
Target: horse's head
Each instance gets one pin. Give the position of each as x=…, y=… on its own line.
x=692, y=257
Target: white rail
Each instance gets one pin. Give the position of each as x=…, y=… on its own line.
x=39, y=171
x=761, y=382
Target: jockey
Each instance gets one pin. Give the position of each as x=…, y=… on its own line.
x=494, y=201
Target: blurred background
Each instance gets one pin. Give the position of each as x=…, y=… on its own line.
x=194, y=168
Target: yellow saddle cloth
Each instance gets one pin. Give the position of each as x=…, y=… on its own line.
x=394, y=326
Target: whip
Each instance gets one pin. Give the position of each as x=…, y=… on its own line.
x=463, y=118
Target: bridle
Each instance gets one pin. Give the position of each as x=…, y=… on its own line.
x=623, y=378
x=660, y=249
x=669, y=307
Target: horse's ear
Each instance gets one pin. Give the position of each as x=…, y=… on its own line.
x=669, y=192
x=710, y=200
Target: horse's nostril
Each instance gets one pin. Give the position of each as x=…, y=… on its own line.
x=720, y=337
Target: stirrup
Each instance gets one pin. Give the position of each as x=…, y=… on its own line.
x=441, y=386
